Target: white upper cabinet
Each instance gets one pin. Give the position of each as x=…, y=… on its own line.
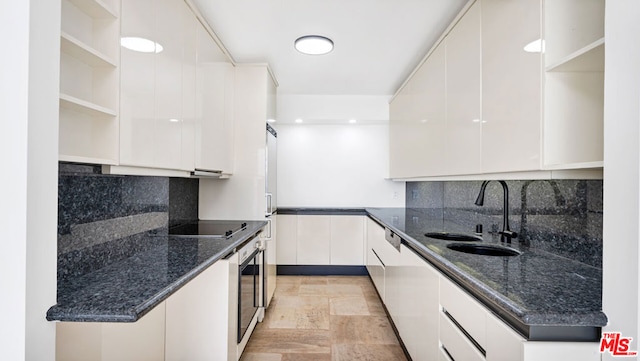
x=515, y=100
x=463, y=132
x=511, y=85
x=89, y=72
x=158, y=88
x=244, y=194
x=214, y=106
x=417, y=121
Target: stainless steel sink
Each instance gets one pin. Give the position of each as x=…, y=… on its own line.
x=460, y=237
x=483, y=249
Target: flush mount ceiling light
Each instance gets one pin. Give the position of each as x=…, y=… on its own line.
x=314, y=45
x=140, y=44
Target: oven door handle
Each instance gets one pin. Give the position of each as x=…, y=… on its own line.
x=249, y=259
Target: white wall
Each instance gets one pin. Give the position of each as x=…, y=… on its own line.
x=330, y=163
x=29, y=154
x=332, y=108
x=14, y=21
x=621, y=230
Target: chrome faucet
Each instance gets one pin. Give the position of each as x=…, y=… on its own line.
x=506, y=234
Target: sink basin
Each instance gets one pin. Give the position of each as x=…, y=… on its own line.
x=453, y=236
x=483, y=249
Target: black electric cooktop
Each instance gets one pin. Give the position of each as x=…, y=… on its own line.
x=208, y=229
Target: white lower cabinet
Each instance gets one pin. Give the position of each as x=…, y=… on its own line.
x=418, y=306
x=455, y=343
x=314, y=240
x=375, y=266
x=321, y=240
x=477, y=327
x=201, y=317
x=438, y=320
x=467, y=312
x=382, y=259
x=347, y=240
x=504, y=344
x=102, y=341
x=197, y=323
x=287, y=230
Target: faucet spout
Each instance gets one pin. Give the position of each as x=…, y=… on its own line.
x=506, y=234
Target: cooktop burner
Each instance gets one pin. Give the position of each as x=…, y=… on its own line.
x=208, y=229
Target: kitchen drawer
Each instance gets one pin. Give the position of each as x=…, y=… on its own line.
x=443, y=356
x=388, y=254
x=456, y=342
x=469, y=314
x=505, y=344
x=376, y=271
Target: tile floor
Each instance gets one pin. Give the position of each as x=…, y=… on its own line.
x=322, y=318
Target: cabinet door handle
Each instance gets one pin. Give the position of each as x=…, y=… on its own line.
x=378, y=257
x=269, y=225
x=447, y=354
x=269, y=211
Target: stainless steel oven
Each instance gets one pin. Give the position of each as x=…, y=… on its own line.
x=250, y=279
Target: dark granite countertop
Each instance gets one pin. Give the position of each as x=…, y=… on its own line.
x=127, y=290
x=542, y=295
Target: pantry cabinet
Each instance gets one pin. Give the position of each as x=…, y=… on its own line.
x=89, y=81
x=158, y=87
x=243, y=196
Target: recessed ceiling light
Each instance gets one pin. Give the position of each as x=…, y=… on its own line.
x=271, y=120
x=352, y=121
x=298, y=120
x=140, y=44
x=314, y=45
x=174, y=120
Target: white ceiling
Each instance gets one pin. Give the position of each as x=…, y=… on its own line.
x=377, y=42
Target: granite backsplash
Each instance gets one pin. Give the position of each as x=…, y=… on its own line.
x=563, y=217
x=103, y=219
